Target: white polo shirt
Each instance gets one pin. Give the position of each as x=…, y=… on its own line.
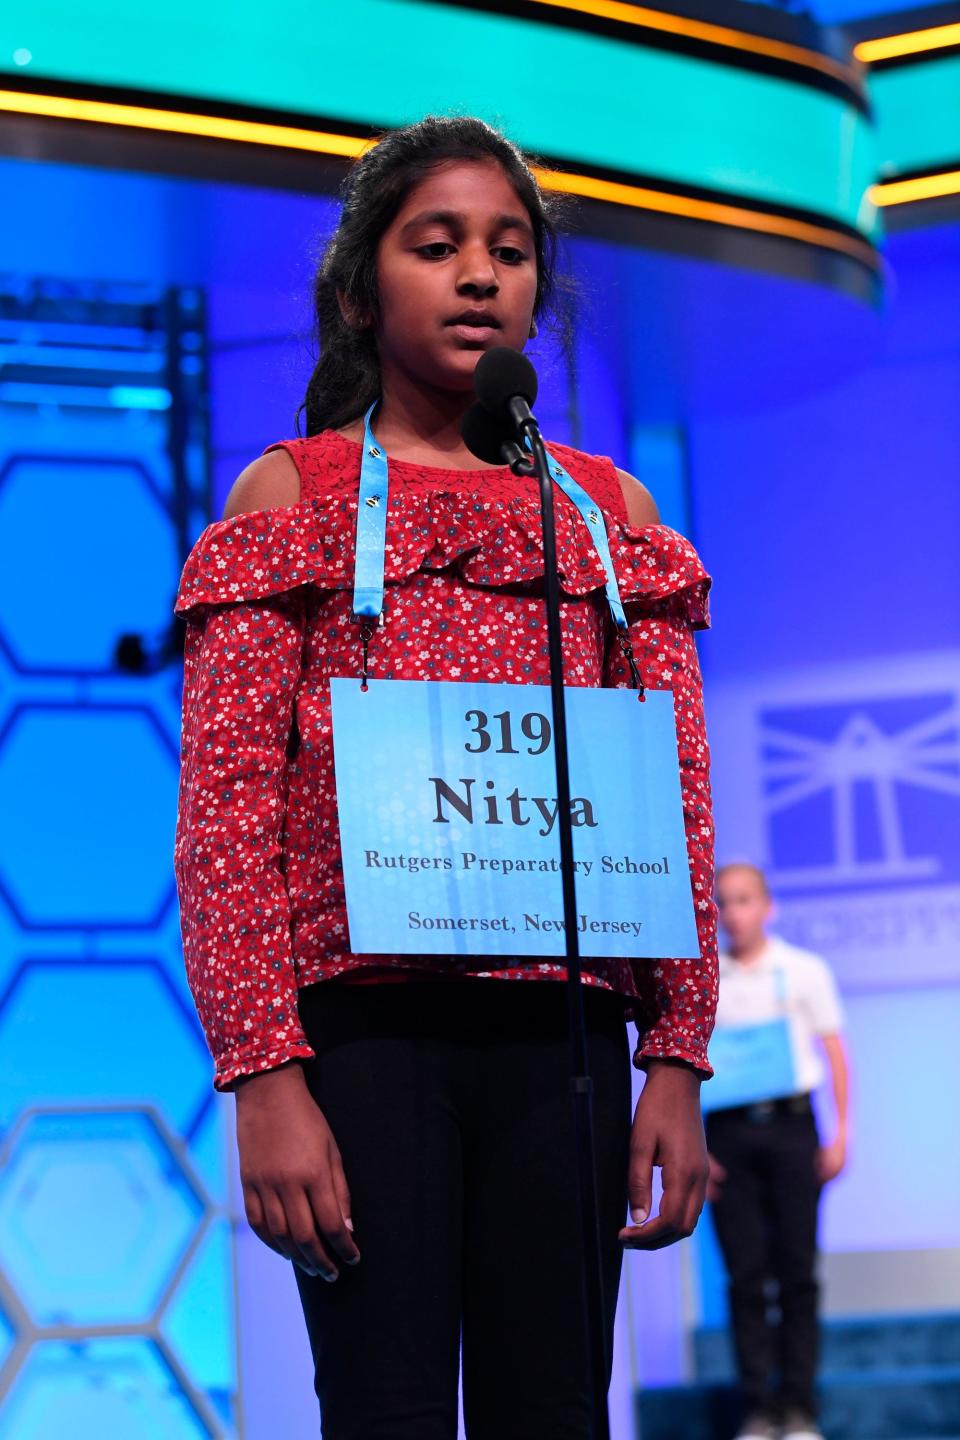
x=786, y=982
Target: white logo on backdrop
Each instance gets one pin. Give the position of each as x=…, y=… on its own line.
x=844, y=783
x=884, y=765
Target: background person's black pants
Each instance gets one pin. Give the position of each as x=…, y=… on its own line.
x=766, y=1222
x=451, y=1105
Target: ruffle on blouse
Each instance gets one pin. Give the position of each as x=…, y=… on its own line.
x=489, y=543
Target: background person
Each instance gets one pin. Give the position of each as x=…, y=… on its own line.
x=767, y=1166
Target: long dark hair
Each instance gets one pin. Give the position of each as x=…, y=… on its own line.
x=346, y=378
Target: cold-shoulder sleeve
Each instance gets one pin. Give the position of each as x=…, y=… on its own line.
x=245, y=613
x=665, y=591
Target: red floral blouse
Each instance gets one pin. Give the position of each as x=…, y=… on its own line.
x=267, y=598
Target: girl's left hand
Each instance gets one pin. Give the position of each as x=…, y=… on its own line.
x=831, y=1160
x=667, y=1131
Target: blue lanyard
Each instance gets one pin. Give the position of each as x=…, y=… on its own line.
x=371, y=527
x=780, y=989
x=372, y=531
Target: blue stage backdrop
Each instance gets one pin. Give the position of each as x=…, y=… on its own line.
x=810, y=446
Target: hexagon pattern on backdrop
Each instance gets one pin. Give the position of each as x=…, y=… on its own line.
x=108, y=549
x=116, y=1389
x=96, y=1213
x=113, y=1174
x=92, y=845
x=87, y=1056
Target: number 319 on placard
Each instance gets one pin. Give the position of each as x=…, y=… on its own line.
x=534, y=727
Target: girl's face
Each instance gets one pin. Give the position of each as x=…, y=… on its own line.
x=457, y=274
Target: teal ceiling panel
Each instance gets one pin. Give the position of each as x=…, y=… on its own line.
x=918, y=115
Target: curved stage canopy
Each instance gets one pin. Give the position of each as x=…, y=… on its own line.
x=915, y=89
x=691, y=128
x=727, y=132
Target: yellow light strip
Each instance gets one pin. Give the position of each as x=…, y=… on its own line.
x=714, y=212
x=218, y=127
x=924, y=187
x=889, y=47
x=712, y=34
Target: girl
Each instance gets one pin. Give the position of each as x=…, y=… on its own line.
x=404, y=1124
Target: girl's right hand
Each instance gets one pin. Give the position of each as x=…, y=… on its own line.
x=294, y=1188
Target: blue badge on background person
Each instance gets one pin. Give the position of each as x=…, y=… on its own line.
x=446, y=793
x=752, y=1063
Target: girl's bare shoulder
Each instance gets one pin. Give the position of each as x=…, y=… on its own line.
x=270, y=482
x=641, y=506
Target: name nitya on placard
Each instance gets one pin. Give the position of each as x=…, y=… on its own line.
x=513, y=808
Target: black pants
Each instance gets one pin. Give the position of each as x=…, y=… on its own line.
x=451, y=1106
x=766, y=1222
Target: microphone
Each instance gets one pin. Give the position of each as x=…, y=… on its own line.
x=506, y=385
x=493, y=440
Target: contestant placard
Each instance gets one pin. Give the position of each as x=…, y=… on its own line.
x=447, y=801
x=751, y=1063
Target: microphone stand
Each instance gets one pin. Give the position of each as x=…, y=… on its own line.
x=581, y=1084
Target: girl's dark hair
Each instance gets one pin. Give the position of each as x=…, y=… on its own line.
x=346, y=378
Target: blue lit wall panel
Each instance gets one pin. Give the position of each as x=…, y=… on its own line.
x=124, y=559
x=114, y=1184
x=658, y=453
x=89, y=849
